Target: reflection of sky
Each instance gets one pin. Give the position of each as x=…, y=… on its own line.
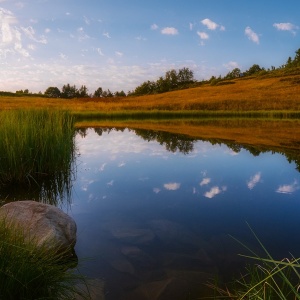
x=254, y=180
x=288, y=188
x=172, y=186
x=120, y=175
x=122, y=160
x=214, y=191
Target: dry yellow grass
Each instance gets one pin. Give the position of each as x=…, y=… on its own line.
x=254, y=94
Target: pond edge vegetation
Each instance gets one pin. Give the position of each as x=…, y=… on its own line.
x=37, y=145
x=266, y=279
x=31, y=272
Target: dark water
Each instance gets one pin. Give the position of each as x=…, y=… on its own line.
x=155, y=211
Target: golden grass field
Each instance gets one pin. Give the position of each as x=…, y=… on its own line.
x=249, y=94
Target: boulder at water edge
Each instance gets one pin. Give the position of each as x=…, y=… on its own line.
x=46, y=224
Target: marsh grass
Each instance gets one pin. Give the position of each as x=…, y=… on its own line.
x=37, y=145
x=265, y=279
x=29, y=272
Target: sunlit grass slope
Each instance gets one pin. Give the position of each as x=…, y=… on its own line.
x=249, y=94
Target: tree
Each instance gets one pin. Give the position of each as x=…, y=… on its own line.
x=171, y=79
x=98, y=93
x=162, y=85
x=147, y=87
x=120, y=94
x=109, y=93
x=296, y=61
x=289, y=63
x=185, y=75
x=83, y=92
x=52, y=92
x=235, y=73
x=254, y=69
x=69, y=91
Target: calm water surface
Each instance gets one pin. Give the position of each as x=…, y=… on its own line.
x=155, y=217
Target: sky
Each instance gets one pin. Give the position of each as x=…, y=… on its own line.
x=117, y=44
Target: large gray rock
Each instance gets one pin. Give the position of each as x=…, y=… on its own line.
x=46, y=224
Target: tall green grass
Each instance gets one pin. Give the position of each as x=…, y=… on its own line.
x=37, y=148
x=266, y=279
x=28, y=272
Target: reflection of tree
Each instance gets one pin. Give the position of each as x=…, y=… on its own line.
x=172, y=141
x=185, y=144
x=82, y=132
x=99, y=130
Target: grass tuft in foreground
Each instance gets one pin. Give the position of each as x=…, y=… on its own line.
x=29, y=272
x=266, y=279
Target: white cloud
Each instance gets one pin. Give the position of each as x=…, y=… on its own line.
x=86, y=20
x=203, y=35
x=205, y=181
x=172, y=186
x=110, y=183
x=169, y=31
x=214, y=191
x=30, y=33
x=154, y=27
x=119, y=54
x=81, y=34
x=286, y=27
x=254, y=180
x=156, y=190
x=47, y=30
x=63, y=56
x=288, y=188
x=211, y=25
x=31, y=47
x=100, y=51
x=6, y=20
x=139, y=38
x=252, y=36
x=191, y=26
x=107, y=35
x=231, y=65
x=121, y=164
x=102, y=167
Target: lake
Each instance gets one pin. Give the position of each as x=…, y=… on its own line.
x=158, y=214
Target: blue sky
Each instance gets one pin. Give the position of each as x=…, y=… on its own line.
x=117, y=44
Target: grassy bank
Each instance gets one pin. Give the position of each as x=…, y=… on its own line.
x=266, y=278
x=28, y=272
x=37, y=145
x=277, y=94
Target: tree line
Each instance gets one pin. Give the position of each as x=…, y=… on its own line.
x=71, y=91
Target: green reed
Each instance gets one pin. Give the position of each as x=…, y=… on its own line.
x=36, y=145
x=266, y=279
x=29, y=272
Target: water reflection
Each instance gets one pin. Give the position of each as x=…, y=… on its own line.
x=156, y=222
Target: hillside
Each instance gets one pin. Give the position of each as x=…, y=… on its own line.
x=242, y=94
